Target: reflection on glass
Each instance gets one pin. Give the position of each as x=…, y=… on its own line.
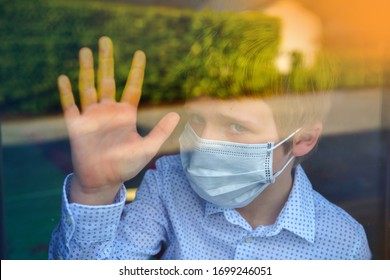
x=251, y=76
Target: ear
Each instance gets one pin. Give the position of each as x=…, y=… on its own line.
x=306, y=139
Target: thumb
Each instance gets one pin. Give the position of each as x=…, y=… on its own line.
x=160, y=133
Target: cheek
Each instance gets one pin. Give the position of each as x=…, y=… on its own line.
x=279, y=159
x=197, y=128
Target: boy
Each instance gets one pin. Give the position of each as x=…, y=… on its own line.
x=236, y=191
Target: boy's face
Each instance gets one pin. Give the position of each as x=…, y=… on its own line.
x=246, y=120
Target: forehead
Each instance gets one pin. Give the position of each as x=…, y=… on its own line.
x=248, y=109
x=252, y=107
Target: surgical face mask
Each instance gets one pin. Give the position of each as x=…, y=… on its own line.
x=228, y=174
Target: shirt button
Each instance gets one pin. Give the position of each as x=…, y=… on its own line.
x=249, y=239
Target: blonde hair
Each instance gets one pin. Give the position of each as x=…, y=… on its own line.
x=237, y=58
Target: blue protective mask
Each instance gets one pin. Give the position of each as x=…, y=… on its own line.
x=225, y=173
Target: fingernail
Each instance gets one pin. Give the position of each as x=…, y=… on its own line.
x=105, y=44
x=140, y=55
x=62, y=80
x=85, y=54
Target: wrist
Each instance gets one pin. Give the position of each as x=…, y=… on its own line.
x=103, y=195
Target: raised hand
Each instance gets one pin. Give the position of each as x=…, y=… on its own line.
x=106, y=147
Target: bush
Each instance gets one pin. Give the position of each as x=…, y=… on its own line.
x=188, y=52
x=40, y=39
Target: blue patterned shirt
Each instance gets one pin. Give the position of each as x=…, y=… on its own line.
x=168, y=217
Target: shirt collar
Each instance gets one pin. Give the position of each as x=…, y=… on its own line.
x=297, y=216
x=212, y=208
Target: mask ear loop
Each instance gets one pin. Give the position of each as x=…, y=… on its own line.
x=289, y=161
x=281, y=170
x=286, y=139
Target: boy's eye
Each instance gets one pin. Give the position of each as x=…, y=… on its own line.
x=237, y=128
x=196, y=119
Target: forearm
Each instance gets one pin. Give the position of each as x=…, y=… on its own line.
x=86, y=232
x=115, y=231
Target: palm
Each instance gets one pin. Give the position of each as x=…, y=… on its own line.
x=104, y=137
x=106, y=147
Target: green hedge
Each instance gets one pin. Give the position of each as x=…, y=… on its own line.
x=188, y=52
x=41, y=39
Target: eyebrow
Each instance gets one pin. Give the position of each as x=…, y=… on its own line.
x=223, y=116
x=233, y=119
x=237, y=119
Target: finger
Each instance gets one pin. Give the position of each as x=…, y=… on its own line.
x=106, y=82
x=66, y=95
x=86, y=79
x=133, y=88
x=160, y=133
